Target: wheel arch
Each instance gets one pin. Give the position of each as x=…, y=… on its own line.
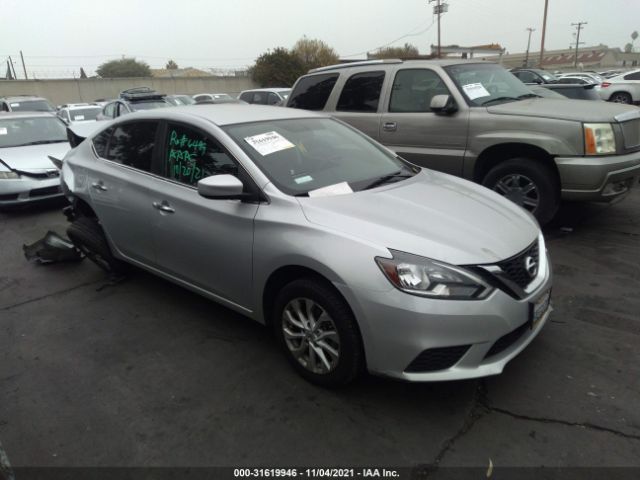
x=496, y=154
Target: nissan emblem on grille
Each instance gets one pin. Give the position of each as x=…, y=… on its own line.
x=531, y=266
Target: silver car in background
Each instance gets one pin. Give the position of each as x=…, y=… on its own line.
x=26, y=141
x=75, y=113
x=357, y=259
x=624, y=88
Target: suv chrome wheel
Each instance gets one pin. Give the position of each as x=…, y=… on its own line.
x=520, y=189
x=311, y=335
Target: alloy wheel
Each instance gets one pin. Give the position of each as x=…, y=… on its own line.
x=311, y=335
x=520, y=189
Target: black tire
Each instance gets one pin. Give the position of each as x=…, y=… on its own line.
x=350, y=363
x=621, y=97
x=530, y=171
x=88, y=237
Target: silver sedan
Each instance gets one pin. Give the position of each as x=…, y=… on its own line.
x=26, y=141
x=357, y=259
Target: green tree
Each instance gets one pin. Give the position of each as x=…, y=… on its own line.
x=406, y=51
x=277, y=68
x=171, y=65
x=314, y=53
x=126, y=67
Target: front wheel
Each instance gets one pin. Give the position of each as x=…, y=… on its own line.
x=528, y=183
x=88, y=237
x=318, y=333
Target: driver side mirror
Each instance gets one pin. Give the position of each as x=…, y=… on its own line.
x=443, y=104
x=221, y=187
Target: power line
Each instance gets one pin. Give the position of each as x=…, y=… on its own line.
x=393, y=41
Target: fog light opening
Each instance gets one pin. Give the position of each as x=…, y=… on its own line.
x=615, y=188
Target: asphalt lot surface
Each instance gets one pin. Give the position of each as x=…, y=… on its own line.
x=147, y=373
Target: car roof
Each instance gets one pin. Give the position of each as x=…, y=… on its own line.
x=274, y=89
x=9, y=115
x=223, y=114
x=18, y=98
x=392, y=61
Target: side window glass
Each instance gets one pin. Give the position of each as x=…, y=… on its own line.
x=100, y=142
x=110, y=110
x=246, y=97
x=632, y=76
x=191, y=156
x=122, y=109
x=259, y=98
x=312, y=92
x=413, y=90
x=273, y=99
x=132, y=144
x=361, y=93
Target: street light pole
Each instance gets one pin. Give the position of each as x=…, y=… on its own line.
x=544, y=30
x=526, y=60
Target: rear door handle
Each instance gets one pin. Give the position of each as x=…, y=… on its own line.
x=99, y=186
x=163, y=207
x=390, y=126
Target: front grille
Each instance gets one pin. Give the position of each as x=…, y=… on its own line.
x=507, y=340
x=515, y=268
x=42, y=192
x=631, y=133
x=435, y=359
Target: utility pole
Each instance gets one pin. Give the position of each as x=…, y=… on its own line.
x=526, y=60
x=439, y=9
x=544, y=31
x=13, y=68
x=578, y=27
x=23, y=67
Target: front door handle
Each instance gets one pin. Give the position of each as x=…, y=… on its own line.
x=99, y=186
x=390, y=126
x=163, y=207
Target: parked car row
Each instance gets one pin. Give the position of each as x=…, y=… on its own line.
x=333, y=221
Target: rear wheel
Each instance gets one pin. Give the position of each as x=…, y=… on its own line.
x=88, y=237
x=529, y=183
x=318, y=333
x=621, y=97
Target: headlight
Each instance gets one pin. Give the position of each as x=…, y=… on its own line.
x=599, y=139
x=430, y=278
x=8, y=175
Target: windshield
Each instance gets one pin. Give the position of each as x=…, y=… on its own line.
x=15, y=132
x=487, y=84
x=301, y=155
x=83, y=114
x=149, y=105
x=185, y=99
x=548, y=77
x=31, y=106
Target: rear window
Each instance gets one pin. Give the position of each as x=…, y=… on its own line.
x=31, y=106
x=312, y=93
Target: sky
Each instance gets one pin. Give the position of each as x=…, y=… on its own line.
x=57, y=38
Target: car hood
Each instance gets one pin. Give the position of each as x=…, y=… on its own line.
x=576, y=110
x=434, y=215
x=32, y=158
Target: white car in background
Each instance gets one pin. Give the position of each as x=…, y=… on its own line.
x=624, y=88
x=589, y=76
x=212, y=97
x=266, y=96
x=74, y=113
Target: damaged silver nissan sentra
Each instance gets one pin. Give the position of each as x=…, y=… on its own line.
x=357, y=259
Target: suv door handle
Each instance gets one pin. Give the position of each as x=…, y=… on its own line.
x=163, y=207
x=99, y=186
x=390, y=126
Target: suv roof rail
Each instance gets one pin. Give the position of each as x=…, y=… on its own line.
x=356, y=64
x=141, y=93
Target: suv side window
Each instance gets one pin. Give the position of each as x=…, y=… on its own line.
x=132, y=144
x=632, y=76
x=312, y=92
x=413, y=90
x=246, y=97
x=361, y=93
x=191, y=155
x=526, y=77
x=273, y=99
x=259, y=98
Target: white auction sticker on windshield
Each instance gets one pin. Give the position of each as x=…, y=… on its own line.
x=269, y=142
x=335, y=189
x=77, y=118
x=14, y=104
x=475, y=90
x=3, y=131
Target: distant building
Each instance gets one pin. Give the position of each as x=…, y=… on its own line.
x=589, y=58
x=178, y=72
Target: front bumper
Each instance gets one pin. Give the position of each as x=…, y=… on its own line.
x=595, y=178
x=25, y=190
x=397, y=328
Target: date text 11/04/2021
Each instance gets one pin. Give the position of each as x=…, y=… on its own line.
x=316, y=472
